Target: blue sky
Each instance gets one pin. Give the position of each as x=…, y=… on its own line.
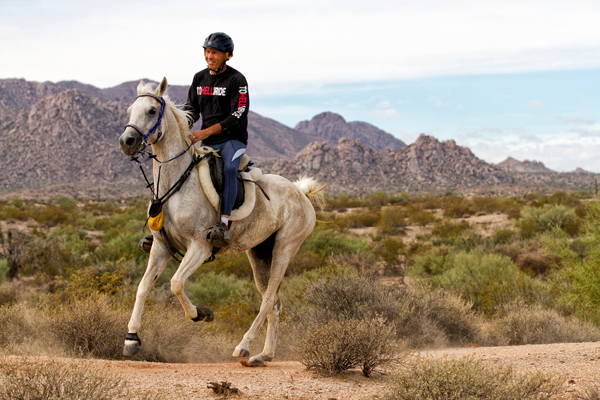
x=511, y=77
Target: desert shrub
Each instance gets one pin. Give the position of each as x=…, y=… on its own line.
x=364, y=263
x=13, y=245
x=327, y=243
x=109, y=278
x=540, y=219
x=448, y=229
x=457, y=207
x=15, y=326
x=591, y=393
x=390, y=249
x=519, y=324
x=229, y=264
x=47, y=380
x=399, y=198
x=338, y=346
x=357, y=219
x=211, y=289
x=467, y=378
x=379, y=198
x=47, y=259
x=3, y=270
x=75, y=240
x=503, y=236
x=576, y=279
x=432, y=262
x=304, y=261
x=168, y=336
x=533, y=260
x=88, y=327
x=486, y=280
x=393, y=220
x=421, y=217
x=421, y=315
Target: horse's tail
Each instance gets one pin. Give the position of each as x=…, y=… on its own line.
x=312, y=189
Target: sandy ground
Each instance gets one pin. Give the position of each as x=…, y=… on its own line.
x=578, y=364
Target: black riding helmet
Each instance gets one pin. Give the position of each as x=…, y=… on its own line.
x=219, y=41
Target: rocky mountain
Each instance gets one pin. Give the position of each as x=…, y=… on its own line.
x=351, y=166
x=332, y=127
x=531, y=167
x=64, y=137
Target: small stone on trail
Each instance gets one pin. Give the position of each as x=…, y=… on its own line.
x=289, y=377
x=571, y=381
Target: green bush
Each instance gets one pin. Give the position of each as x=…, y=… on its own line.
x=3, y=270
x=328, y=243
x=357, y=219
x=503, y=236
x=458, y=207
x=447, y=229
x=542, y=219
x=421, y=217
x=486, y=280
x=211, y=289
x=576, y=279
x=393, y=220
x=468, y=378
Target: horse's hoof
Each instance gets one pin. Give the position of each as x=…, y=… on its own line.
x=131, y=348
x=253, y=363
x=240, y=353
x=205, y=314
x=132, y=344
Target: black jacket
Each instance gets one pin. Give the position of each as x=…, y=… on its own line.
x=220, y=99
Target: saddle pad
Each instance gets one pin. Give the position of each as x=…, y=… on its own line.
x=246, y=208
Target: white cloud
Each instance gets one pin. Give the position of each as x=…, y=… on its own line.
x=383, y=104
x=104, y=46
x=560, y=152
x=387, y=113
x=460, y=106
x=437, y=101
x=576, y=119
x=534, y=104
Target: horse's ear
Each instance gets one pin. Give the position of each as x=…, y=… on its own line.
x=141, y=87
x=162, y=87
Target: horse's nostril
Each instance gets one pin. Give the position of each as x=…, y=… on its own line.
x=130, y=141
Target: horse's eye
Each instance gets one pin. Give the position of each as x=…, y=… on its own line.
x=152, y=111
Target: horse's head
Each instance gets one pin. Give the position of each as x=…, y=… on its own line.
x=145, y=117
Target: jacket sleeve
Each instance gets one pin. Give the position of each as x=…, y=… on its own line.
x=192, y=106
x=240, y=104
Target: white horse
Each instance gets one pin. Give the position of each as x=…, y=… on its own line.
x=271, y=235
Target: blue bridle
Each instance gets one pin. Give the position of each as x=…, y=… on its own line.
x=156, y=126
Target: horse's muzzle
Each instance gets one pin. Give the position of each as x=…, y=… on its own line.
x=130, y=142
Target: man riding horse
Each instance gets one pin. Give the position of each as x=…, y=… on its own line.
x=219, y=94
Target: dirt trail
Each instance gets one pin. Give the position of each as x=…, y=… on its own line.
x=579, y=363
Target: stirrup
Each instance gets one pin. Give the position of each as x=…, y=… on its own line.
x=218, y=235
x=146, y=244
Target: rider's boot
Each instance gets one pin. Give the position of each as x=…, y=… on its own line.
x=146, y=244
x=218, y=235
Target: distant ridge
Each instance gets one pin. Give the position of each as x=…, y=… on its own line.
x=332, y=127
x=533, y=167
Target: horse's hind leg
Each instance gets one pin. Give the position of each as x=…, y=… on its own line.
x=269, y=262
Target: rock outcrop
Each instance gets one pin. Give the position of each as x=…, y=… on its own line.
x=332, y=127
x=427, y=164
x=531, y=167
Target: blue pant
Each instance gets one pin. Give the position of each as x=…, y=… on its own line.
x=231, y=151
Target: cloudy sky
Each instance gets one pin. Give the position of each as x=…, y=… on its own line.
x=510, y=77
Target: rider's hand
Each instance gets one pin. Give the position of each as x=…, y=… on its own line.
x=199, y=135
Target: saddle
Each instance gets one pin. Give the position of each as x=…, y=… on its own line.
x=211, y=179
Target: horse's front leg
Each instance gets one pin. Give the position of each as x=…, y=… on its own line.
x=159, y=257
x=194, y=258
